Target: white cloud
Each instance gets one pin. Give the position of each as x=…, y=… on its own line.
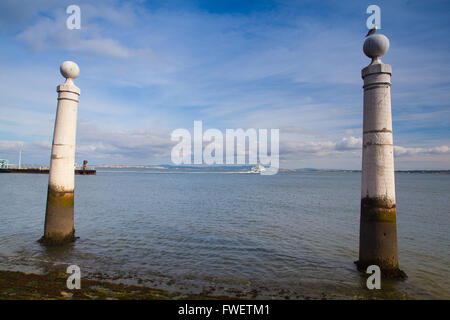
x=302, y=146
x=146, y=145
x=37, y=152
x=153, y=146
x=51, y=33
x=6, y=145
x=405, y=151
x=350, y=143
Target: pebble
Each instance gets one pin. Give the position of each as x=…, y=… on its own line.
x=66, y=295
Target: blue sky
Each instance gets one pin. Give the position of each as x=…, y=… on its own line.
x=150, y=67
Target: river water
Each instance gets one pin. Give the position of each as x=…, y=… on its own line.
x=291, y=235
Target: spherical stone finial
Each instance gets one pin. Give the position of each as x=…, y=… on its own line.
x=376, y=46
x=69, y=69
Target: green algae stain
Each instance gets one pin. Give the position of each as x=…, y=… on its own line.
x=60, y=199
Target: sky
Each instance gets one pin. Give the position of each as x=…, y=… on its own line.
x=150, y=67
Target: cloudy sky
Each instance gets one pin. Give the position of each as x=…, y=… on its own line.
x=150, y=67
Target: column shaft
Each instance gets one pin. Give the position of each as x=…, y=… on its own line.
x=59, y=217
x=378, y=229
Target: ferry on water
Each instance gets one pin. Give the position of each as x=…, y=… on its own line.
x=257, y=169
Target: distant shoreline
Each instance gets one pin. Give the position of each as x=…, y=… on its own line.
x=92, y=170
x=235, y=168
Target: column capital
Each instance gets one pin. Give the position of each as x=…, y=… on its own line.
x=68, y=87
x=70, y=71
x=376, y=69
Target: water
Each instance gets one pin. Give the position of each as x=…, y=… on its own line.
x=292, y=235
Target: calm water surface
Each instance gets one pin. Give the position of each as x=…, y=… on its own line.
x=292, y=235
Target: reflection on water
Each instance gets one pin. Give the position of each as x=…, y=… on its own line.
x=290, y=235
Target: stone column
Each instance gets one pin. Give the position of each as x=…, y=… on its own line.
x=378, y=229
x=59, y=221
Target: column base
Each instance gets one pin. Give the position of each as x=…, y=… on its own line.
x=378, y=237
x=59, y=218
x=56, y=239
x=387, y=273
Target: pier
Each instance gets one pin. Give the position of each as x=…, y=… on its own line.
x=45, y=171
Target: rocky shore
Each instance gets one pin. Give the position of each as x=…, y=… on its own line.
x=24, y=286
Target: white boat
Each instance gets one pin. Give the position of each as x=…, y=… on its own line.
x=257, y=169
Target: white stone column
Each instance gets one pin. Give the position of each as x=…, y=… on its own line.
x=59, y=217
x=378, y=229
